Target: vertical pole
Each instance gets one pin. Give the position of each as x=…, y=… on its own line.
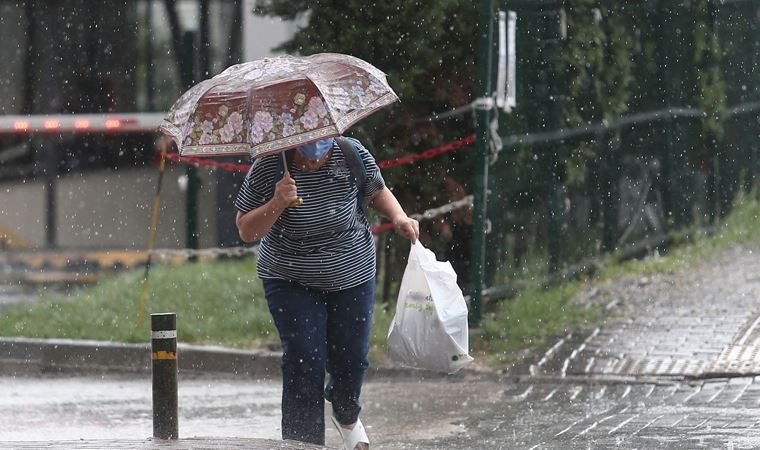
x=191, y=196
x=715, y=208
x=152, y=232
x=480, y=193
x=754, y=121
x=50, y=156
x=30, y=16
x=554, y=228
x=388, y=264
x=669, y=133
x=554, y=32
x=164, y=357
x=610, y=196
x=235, y=44
x=149, y=72
x=204, y=52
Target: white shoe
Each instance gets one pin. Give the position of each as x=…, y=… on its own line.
x=353, y=436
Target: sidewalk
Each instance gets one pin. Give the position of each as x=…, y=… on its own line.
x=703, y=322
x=147, y=444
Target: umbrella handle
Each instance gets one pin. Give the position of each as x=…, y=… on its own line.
x=299, y=200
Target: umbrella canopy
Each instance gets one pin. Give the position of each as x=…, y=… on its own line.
x=269, y=105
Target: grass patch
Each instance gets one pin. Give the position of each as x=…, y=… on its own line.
x=219, y=303
x=216, y=303
x=532, y=319
x=222, y=302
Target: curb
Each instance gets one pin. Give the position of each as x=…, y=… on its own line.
x=21, y=356
x=26, y=356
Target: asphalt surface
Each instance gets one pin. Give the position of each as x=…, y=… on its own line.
x=70, y=408
x=676, y=366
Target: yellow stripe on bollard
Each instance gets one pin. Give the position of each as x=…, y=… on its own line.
x=162, y=355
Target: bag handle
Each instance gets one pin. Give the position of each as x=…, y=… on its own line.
x=422, y=253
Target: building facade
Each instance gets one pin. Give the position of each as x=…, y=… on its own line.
x=75, y=189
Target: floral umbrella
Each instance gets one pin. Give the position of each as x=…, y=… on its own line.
x=269, y=105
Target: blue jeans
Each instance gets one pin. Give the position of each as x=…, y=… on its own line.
x=320, y=331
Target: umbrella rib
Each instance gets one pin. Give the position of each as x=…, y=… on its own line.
x=168, y=126
x=365, y=69
x=329, y=110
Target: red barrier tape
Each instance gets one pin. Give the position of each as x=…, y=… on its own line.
x=427, y=154
x=403, y=160
x=377, y=229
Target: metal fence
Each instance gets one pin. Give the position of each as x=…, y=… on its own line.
x=576, y=178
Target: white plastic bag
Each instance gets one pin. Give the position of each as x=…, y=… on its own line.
x=429, y=330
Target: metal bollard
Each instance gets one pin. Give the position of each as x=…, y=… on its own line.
x=164, y=356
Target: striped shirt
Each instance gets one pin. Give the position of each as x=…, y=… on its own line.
x=325, y=243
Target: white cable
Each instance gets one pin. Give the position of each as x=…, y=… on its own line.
x=484, y=103
x=206, y=252
x=444, y=209
x=242, y=251
x=436, y=117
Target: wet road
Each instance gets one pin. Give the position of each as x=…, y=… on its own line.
x=72, y=408
x=677, y=366
x=404, y=414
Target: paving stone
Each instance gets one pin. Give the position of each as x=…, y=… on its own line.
x=671, y=332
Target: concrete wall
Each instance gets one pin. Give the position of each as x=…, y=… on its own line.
x=21, y=208
x=109, y=209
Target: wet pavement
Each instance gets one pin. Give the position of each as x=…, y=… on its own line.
x=699, y=322
x=676, y=366
x=399, y=414
x=70, y=408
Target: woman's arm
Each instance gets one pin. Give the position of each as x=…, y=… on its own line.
x=386, y=204
x=254, y=224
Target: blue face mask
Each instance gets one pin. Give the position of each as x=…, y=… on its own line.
x=316, y=150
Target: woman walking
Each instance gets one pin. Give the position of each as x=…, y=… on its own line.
x=317, y=265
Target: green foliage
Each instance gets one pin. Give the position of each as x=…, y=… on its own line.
x=426, y=48
x=596, y=63
x=532, y=319
x=710, y=88
x=596, y=58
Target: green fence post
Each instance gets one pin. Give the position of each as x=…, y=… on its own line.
x=480, y=193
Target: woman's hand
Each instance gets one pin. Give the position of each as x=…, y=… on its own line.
x=285, y=192
x=407, y=227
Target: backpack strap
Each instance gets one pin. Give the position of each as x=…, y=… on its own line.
x=356, y=165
